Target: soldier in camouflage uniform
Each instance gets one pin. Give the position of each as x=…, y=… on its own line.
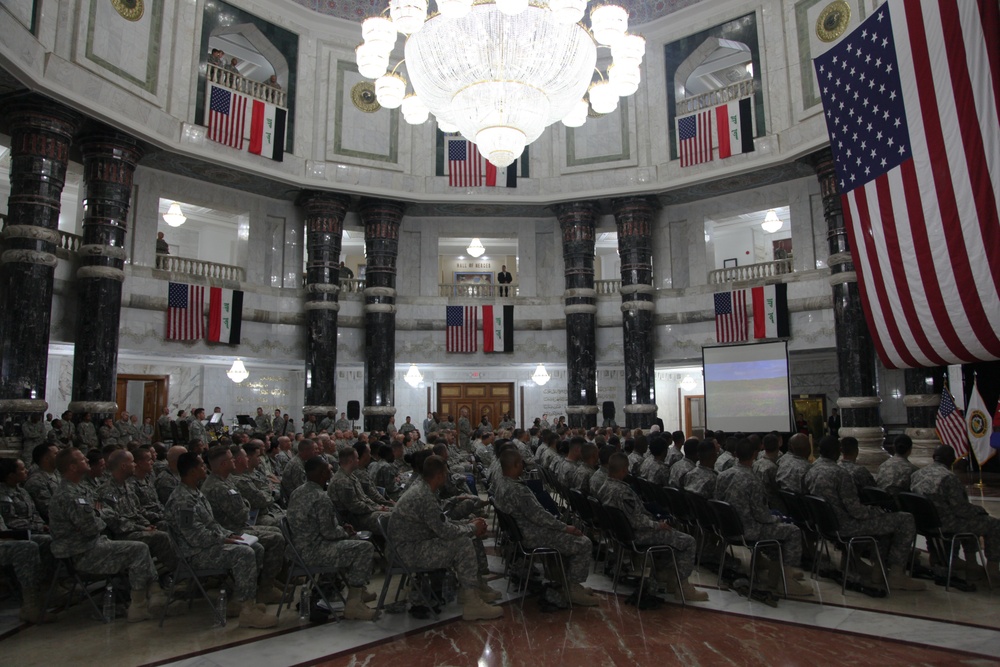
x=77, y=533
x=541, y=529
x=142, y=486
x=348, y=497
x=23, y=556
x=547, y=454
x=849, y=462
x=958, y=515
x=600, y=476
x=294, y=474
x=589, y=462
x=65, y=432
x=464, y=430
x=33, y=432
x=566, y=469
x=520, y=437
x=424, y=538
x=654, y=468
x=831, y=482
x=254, y=485
x=684, y=466
x=312, y=522
x=364, y=478
x=727, y=459
x=126, y=432
x=43, y=481
x=206, y=544
x=765, y=467
x=163, y=430
x=109, y=433
x=701, y=479
x=620, y=495
x=793, y=466
x=894, y=474
x=383, y=473
x=196, y=429
x=231, y=511
x=16, y=506
x=169, y=479
x=744, y=491
x=86, y=434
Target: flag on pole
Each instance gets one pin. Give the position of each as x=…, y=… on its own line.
x=498, y=328
x=694, y=138
x=461, y=323
x=466, y=167
x=185, y=311
x=731, y=316
x=770, y=311
x=227, y=112
x=951, y=426
x=501, y=177
x=267, y=131
x=910, y=100
x=978, y=419
x=734, y=124
x=995, y=438
x=225, y=315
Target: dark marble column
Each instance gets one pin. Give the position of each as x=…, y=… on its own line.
x=41, y=132
x=859, y=400
x=381, y=219
x=577, y=221
x=324, y=223
x=109, y=161
x=923, y=395
x=634, y=217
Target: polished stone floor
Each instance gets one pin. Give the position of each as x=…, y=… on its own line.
x=929, y=628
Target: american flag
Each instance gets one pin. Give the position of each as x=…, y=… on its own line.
x=951, y=425
x=226, y=117
x=694, y=138
x=185, y=312
x=910, y=99
x=461, y=325
x=466, y=166
x=731, y=316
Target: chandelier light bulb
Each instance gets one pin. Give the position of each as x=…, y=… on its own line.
x=390, y=89
x=408, y=15
x=624, y=79
x=567, y=12
x=609, y=23
x=603, y=97
x=174, y=216
x=772, y=222
x=501, y=145
x=629, y=50
x=454, y=9
x=414, y=110
x=578, y=116
x=372, y=63
x=476, y=248
x=379, y=31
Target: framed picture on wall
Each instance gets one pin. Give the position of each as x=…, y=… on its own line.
x=473, y=284
x=730, y=263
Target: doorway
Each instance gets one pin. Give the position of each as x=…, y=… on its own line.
x=812, y=408
x=492, y=399
x=142, y=395
x=694, y=415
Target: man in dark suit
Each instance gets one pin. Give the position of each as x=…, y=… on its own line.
x=503, y=279
x=833, y=423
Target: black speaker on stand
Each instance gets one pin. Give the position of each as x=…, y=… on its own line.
x=353, y=412
x=608, y=408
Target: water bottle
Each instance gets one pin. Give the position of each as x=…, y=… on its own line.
x=109, y=604
x=221, y=606
x=305, y=603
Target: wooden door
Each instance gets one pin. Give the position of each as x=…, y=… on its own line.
x=155, y=392
x=492, y=399
x=150, y=392
x=694, y=414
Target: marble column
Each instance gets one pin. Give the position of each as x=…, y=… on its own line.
x=381, y=219
x=109, y=161
x=923, y=395
x=41, y=132
x=634, y=218
x=577, y=221
x=858, y=397
x=324, y=222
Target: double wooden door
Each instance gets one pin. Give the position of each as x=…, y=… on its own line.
x=493, y=399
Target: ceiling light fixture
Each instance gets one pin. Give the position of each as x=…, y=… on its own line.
x=174, y=216
x=772, y=222
x=541, y=376
x=238, y=373
x=518, y=66
x=413, y=376
x=476, y=248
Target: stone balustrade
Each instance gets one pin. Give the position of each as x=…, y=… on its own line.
x=255, y=89
x=608, y=287
x=736, y=274
x=199, y=267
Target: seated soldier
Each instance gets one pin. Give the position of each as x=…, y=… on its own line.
x=16, y=507
x=383, y=473
x=639, y=449
x=425, y=538
x=958, y=515
x=23, y=556
x=654, y=468
x=894, y=474
x=254, y=485
x=206, y=544
x=589, y=462
x=793, y=466
x=765, y=466
x=727, y=459
x=362, y=473
x=684, y=466
x=566, y=469
x=701, y=478
x=849, y=462
x=547, y=455
x=832, y=483
x=348, y=497
x=744, y=491
x=321, y=542
x=541, y=529
x=675, y=452
x=77, y=533
x=600, y=475
x=97, y=475
x=142, y=483
x=43, y=482
x=169, y=479
x=294, y=474
x=232, y=512
x=617, y=493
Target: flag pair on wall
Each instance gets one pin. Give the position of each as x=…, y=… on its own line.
x=226, y=121
x=468, y=168
x=462, y=324
x=770, y=313
x=732, y=123
x=186, y=313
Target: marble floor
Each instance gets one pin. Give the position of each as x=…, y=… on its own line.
x=929, y=628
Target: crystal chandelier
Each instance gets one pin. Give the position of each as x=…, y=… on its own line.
x=174, y=216
x=501, y=71
x=476, y=248
x=238, y=372
x=772, y=222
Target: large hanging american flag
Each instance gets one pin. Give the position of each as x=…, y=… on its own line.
x=185, y=311
x=461, y=325
x=694, y=138
x=951, y=425
x=731, y=316
x=913, y=112
x=227, y=113
x=466, y=166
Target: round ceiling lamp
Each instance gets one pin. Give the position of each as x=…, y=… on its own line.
x=413, y=376
x=772, y=222
x=476, y=248
x=540, y=376
x=174, y=216
x=238, y=373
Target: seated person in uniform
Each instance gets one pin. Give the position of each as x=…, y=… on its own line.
x=849, y=462
x=894, y=474
x=348, y=497
x=701, y=478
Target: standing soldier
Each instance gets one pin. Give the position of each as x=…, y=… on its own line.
x=33, y=433
x=196, y=429
x=163, y=431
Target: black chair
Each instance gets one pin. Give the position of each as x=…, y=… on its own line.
x=186, y=571
x=678, y=507
x=299, y=568
x=874, y=496
x=928, y=522
x=516, y=540
x=617, y=522
x=395, y=564
x=827, y=525
x=704, y=519
x=730, y=528
x=584, y=511
x=66, y=568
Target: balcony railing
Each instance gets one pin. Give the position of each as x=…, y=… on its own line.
x=255, y=89
x=714, y=98
x=198, y=267
x=476, y=291
x=735, y=274
x=606, y=287
x=352, y=286
x=69, y=242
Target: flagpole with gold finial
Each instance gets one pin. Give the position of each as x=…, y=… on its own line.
x=979, y=484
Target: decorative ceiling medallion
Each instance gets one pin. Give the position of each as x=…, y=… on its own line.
x=130, y=10
x=363, y=96
x=833, y=20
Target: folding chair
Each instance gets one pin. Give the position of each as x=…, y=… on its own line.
x=66, y=568
x=617, y=522
x=828, y=528
x=704, y=518
x=299, y=568
x=730, y=529
x=394, y=565
x=516, y=540
x=928, y=521
x=874, y=496
x=185, y=570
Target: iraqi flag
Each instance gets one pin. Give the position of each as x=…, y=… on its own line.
x=501, y=177
x=267, y=131
x=770, y=311
x=734, y=123
x=498, y=328
x=225, y=315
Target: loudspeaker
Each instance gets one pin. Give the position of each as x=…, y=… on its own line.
x=353, y=410
x=609, y=409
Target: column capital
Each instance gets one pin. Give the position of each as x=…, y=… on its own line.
x=575, y=215
x=381, y=211
x=100, y=142
x=635, y=205
x=326, y=206
x=29, y=111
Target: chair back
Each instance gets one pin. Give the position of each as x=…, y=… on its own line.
x=878, y=497
x=678, y=504
x=822, y=515
x=796, y=507
x=509, y=526
x=580, y=505
x=728, y=522
x=617, y=522
x=925, y=514
x=597, y=513
x=700, y=510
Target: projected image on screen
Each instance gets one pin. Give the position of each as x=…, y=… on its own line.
x=746, y=387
